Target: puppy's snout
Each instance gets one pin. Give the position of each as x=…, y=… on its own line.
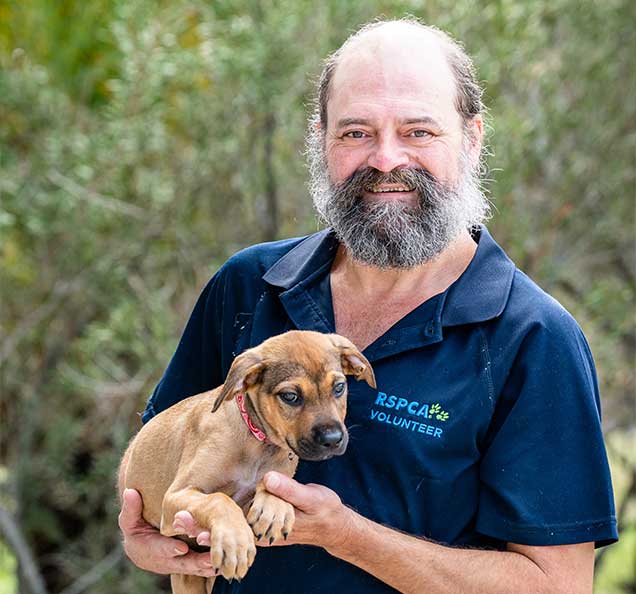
x=323, y=441
x=329, y=437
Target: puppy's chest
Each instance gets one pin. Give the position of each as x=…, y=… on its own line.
x=241, y=488
x=242, y=480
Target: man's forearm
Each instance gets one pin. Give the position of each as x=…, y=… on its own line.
x=414, y=565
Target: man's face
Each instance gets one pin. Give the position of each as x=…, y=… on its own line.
x=393, y=108
x=395, y=175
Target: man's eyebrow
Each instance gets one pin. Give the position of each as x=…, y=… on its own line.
x=353, y=122
x=428, y=120
x=421, y=120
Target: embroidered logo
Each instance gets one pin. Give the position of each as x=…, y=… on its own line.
x=436, y=409
x=411, y=414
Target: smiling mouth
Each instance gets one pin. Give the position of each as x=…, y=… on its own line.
x=389, y=189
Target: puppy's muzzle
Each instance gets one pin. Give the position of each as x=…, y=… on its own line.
x=329, y=437
x=326, y=441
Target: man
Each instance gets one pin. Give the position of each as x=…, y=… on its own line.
x=484, y=433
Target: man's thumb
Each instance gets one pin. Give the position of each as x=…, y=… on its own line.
x=286, y=488
x=131, y=507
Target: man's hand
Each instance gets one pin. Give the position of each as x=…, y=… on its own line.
x=413, y=565
x=321, y=517
x=150, y=550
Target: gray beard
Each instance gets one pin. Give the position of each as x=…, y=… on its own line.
x=393, y=234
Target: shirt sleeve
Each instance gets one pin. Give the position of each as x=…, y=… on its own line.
x=196, y=364
x=544, y=475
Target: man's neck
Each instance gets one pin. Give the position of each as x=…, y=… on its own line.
x=429, y=279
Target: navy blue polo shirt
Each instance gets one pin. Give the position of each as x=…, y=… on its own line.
x=484, y=427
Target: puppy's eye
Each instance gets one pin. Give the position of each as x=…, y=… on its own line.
x=338, y=389
x=290, y=398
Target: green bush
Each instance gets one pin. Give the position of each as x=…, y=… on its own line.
x=143, y=142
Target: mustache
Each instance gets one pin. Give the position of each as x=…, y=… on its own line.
x=366, y=178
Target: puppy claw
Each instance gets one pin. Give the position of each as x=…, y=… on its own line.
x=270, y=517
x=285, y=535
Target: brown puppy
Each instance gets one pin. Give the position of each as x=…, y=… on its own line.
x=207, y=454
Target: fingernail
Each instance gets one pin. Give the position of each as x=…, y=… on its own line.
x=178, y=526
x=178, y=551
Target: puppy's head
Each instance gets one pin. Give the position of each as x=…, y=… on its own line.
x=296, y=389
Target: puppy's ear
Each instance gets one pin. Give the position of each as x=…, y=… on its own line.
x=244, y=373
x=352, y=360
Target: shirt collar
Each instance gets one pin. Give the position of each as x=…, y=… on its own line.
x=482, y=291
x=302, y=261
x=479, y=294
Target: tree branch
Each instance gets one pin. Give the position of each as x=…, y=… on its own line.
x=106, y=202
x=14, y=538
x=95, y=573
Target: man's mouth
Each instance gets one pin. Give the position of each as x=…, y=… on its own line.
x=389, y=188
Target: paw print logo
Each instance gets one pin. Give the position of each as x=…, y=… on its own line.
x=436, y=411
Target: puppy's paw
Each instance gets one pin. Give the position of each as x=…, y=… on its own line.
x=271, y=518
x=232, y=547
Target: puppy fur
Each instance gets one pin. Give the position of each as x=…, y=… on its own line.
x=200, y=456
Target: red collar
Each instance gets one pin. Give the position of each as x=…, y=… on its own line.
x=256, y=432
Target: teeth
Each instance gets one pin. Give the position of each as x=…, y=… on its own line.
x=387, y=190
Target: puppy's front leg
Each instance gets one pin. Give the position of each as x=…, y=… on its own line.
x=188, y=584
x=269, y=516
x=232, y=548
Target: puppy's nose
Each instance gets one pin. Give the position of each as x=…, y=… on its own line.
x=328, y=436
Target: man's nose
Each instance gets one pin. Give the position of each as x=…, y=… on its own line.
x=388, y=154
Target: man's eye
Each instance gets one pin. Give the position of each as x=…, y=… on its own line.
x=355, y=134
x=338, y=389
x=290, y=398
x=419, y=133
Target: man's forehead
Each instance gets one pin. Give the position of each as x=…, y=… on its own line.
x=396, y=60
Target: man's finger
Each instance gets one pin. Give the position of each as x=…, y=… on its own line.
x=195, y=564
x=299, y=495
x=131, y=507
x=170, y=547
x=203, y=538
x=184, y=523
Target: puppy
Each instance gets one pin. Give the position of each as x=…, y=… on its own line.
x=207, y=454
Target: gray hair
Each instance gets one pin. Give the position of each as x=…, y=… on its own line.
x=392, y=235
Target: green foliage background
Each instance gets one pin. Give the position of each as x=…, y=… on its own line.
x=142, y=142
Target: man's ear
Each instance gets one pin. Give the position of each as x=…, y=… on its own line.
x=245, y=372
x=352, y=360
x=474, y=137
